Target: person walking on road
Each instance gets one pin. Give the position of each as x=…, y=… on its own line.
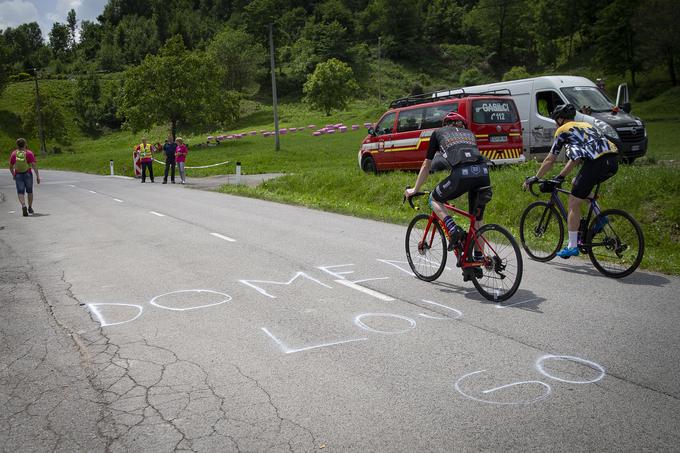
x=169, y=149
x=145, y=151
x=181, y=157
x=22, y=163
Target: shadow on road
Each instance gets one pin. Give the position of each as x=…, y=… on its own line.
x=636, y=278
x=523, y=299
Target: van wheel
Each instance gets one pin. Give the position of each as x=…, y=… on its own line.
x=368, y=165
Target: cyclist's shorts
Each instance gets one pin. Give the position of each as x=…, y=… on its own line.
x=463, y=179
x=593, y=172
x=24, y=182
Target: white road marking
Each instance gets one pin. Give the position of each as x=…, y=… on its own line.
x=155, y=303
x=359, y=323
x=95, y=311
x=286, y=350
x=116, y=199
x=517, y=303
x=592, y=365
x=368, y=291
x=157, y=213
x=226, y=238
x=458, y=312
x=262, y=291
x=92, y=191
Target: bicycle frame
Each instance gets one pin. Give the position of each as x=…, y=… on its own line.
x=471, y=235
x=593, y=208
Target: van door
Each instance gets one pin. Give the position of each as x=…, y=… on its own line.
x=383, y=137
x=407, y=152
x=542, y=126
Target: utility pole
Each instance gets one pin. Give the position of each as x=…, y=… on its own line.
x=41, y=131
x=379, y=81
x=274, y=100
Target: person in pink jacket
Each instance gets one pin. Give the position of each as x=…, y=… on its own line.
x=180, y=158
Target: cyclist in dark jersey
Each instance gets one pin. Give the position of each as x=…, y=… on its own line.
x=583, y=144
x=468, y=171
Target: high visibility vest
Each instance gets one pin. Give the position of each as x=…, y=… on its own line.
x=144, y=151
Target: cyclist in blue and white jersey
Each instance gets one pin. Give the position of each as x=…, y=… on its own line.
x=585, y=145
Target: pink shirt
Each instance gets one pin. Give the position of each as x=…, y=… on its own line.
x=30, y=158
x=181, y=153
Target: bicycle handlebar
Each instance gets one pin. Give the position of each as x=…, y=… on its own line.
x=557, y=184
x=410, y=199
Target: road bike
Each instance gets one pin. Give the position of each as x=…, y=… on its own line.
x=612, y=238
x=489, y=256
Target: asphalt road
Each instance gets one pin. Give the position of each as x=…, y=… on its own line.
x=155, y=318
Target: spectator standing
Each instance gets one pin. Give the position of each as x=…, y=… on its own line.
x=21, y=164
x=181, y=157
x=169, y=149
x=145, y=151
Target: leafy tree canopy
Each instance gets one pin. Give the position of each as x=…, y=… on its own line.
x=178, y=87
x=330, y=86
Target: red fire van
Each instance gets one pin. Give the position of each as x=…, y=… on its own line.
x=400, y=138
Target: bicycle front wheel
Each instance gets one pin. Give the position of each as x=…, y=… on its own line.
x=426, y=248
x=615, y=243
x=541, y=231
x=502, y=264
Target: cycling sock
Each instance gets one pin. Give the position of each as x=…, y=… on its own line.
x=450, y=224
x=573, y=239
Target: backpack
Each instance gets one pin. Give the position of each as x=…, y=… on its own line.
x=21, y=163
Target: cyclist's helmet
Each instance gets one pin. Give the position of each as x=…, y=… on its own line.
x=452, y=117
x=565, y=111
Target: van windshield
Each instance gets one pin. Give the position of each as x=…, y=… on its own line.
x=592, y=96
x=493, y=111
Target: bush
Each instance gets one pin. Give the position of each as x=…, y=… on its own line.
x=516, y=73
x=472, y=76
x=21, y=77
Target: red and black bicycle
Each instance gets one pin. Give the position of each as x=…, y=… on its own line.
x=488, y=256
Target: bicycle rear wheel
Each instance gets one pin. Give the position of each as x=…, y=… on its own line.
x=615, y=243
x=541, y=231
x=502, y=265
x=425, y=248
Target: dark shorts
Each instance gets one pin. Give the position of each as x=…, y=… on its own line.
x=593, y=172
x=464, y=179
x=24, y=182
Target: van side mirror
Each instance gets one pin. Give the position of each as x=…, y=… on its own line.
x=371, y=131
x=626, y=107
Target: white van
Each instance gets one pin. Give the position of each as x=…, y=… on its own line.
x=537, y=97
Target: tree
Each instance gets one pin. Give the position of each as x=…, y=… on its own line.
x=52, y=115
x=91, y=37
x=59, y=39
x=4, y=63
x=501, y=25
x=659, y=22
x=241, y=59
x=330, y=86
x=27, y=49
x=72, y=22
x=399, y=25
x=86, y=101
x=617, y=44
x=135, y=37
x=179, y=87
